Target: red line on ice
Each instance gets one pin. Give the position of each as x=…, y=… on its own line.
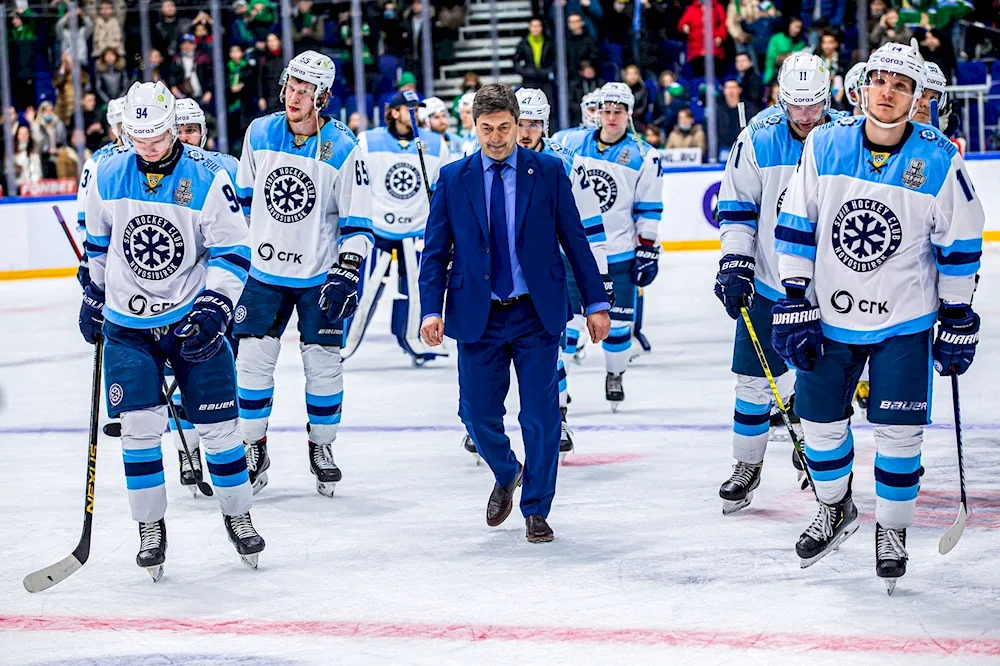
x=679, y=638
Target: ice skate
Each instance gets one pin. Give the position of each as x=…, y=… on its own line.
x=190, y=469
x=613, y=390
x=890, y=555
x=242, y=534
x=737, y=491
x=470, y=446
x=152, y=548
x=566, y=439
x=831, y=527
x=323, y=468
x=643, y=342
x=257, y=463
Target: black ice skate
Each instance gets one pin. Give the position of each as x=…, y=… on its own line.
x=737, y=491
x=152, y=548
x=613, y=390
x=257, y=463
x=323, y=468
x=242, y=534
x=470, y=446
x=831, y=527
x=566, y=439
x=643, y=342
x=191, y=470
x=890, y=555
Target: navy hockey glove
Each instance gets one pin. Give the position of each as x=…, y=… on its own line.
x=92, y=313
x=203, y=331
x=957, y=336
x=796, y=334
x=646, y=263
x=339, y=296
x=609, y=289
x=83, y=272
x=734, y=283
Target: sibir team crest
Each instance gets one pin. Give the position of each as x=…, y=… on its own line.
x=865, y=234
x=403, y=180
x=153, y=247
x=605, y=187
x=290, y=194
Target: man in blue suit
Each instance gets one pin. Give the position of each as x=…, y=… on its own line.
x=499, y=217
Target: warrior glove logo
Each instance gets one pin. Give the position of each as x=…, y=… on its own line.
x=403, y=181
x=605, y=187
x=290, y=195
x=865, y=234
x=153, y=247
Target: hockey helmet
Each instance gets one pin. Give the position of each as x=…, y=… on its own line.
x=466, y=100
x=804, y=88
x=853, y=82
x=589, y=117
x=936, y=81
x=895, y=58
x=534, y=105
x=430, y=107
x=310, y=67
x=189, y=112
x=116, y=108
x=617, y=92
x=148, y=111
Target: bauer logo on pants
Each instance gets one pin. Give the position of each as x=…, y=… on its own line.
x=402, y=181
x=865, y=234
x=605, y=187
x=290, y=194
x=153, y=247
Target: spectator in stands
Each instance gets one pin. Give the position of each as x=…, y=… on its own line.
x=191, y=72
x=876, y=9
x=653, y=137
x=22, y=38
x=156, y=68
x=75, y=41
x=535, y=59
x=108, y=32
x=589, y=10
x=201, y=29
x=110, y=80
x=830, y=53
x=307, y=27
x=261, y=18
x=616, y=29
x=750, y=23
x=781, y=45
x=49, y=133
x=346, y=34
x=670, y=99
x=471, y=82
x=239, y=30
x=585, y=82
x=659, y=23
x=165, y=33
x=750, y=82
x=396, y=39
x=936, y=46
x=727, y=115
x=62, y=81
x=407, y=81
x=580, y=45
x=93, y=122
x=819, y=14
x=241, y=96
x=772, y=95
x=692, y=24
x=354, y=122
x=67, y=160
x=888, y=29
x=27, y=164
x=687, y=133
x=270, y=64
x=933, y=14
x=640, y=111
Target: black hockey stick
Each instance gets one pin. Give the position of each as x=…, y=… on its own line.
x=53, y=574
x=69, y=234
x=420, y=153
x=168, y=393
x=954, y=533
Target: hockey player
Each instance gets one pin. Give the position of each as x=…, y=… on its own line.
x=753, y=186
x=466, y=129
x=306, y=188
x=625, y=172
x=168, y=258
x=881, y=219
x=589, y=117
x=400, y=203
x=433, y=114
x=853, y=82
x=193, y=131
x=935, y=88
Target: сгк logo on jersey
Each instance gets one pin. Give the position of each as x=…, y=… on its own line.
x=290, y=194
x=865, y=234
x=403, y=180
x=605, y=187
x=153, y=247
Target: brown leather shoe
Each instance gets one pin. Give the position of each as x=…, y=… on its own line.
x=536, y=530
x=502, y=500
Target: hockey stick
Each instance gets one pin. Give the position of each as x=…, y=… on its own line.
x=69, y=234
x=168, y=393
x=796, y=444
x=742, y=108
x=935, y=117
x=420, y=153
x=53, y=574
x=951, y=537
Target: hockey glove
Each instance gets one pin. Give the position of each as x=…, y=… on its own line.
x=796, y=334
x=339, y=296
x=609, y=289
x=92, y=313
x=83, y=272
x=203, y=331
x=734, y=283
x=957, y=336
x=646, y=263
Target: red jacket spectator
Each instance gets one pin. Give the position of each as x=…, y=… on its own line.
x=692, y=23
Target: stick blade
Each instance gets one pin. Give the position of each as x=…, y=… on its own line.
x=53, y=574
x=954, y=533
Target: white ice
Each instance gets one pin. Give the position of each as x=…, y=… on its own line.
x=400, y=567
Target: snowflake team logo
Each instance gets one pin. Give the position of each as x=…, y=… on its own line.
x=928, y=135
x=865, y=234
x=605, y=187
x=115, y=394
x=241, y=314
x=403, y=180
x=290, y=194
x=153, y=247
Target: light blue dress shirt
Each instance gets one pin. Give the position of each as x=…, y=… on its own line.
x=510, y=197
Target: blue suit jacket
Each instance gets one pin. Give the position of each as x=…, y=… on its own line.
x=457, y=231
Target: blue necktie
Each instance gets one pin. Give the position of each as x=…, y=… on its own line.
x=502, y=283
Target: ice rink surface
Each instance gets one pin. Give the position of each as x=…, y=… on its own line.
x=399, y=567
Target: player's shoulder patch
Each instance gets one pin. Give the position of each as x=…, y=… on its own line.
x=766, y=123
x=201, y=158
x=933, y=136
x=343, y=129
x=844, y=121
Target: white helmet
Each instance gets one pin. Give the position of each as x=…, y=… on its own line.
x=853, y=82
x=149, y=111
x=116, y=108
x=935, y=80
x=311, y=67
x=617, y=92
x=804, y=81
x=188, y=112
x=590, y=102
x=534, y=105
x=466, y=100
x=430, y=107
x=903, y=59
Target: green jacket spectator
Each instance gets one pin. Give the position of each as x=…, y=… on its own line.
x=781, y=44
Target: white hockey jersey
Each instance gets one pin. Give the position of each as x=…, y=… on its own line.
x=86, y=177
x=303, y=211
x=400, y=201
x=882, y=234
x=626, y=178
x=561, y=137
x=155, y=241
x=587, y=201
x=454, y=143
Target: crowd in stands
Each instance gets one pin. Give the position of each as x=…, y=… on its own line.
x=657, y=47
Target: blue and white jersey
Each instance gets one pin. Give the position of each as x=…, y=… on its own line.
x=86, y=177
x=560, y=137
x=883, y=233
x=228, y=162
x=587, y=201
x=468, y=144
x=626, y=178
x=454, y=143
x=766, y=113
x=400, y=204
x=156, y=241
x=303, y=211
